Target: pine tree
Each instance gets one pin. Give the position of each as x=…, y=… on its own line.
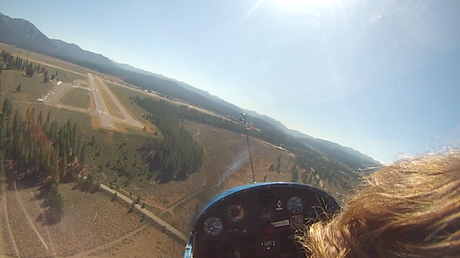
x=78, y=146
x=40, y=118
x=82, y=156
x=47, y=161
x=47, y=122
x=30, y=70
x=133, y=205
x=10, y=66
x=45, y=77
x=64, y=168
x=73, y=139
x=7, y=107
x=2, y=168
x=2, y=133
x=54, y=200
x=114, y=197
x=15, y=122
x=55, y=170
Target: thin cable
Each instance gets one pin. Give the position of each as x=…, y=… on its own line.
x=249, y=147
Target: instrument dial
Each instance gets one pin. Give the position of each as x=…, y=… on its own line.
x=294, y=205
x=235, y=212
x=265, y=198
x=213, y=226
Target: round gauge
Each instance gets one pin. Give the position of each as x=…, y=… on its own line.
x=265, y=199
x=212, y=226
x=294, y=205
x=235, y=212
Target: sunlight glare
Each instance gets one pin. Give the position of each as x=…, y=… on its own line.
x=294, y=4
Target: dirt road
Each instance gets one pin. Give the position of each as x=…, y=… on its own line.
x=147, y=213
x=5, y=220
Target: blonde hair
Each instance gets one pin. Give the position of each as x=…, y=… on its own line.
x=408, y=209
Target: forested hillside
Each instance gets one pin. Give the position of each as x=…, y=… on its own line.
x=165, y=116
x=37, y=145
x=36, y=149
x=175, y=156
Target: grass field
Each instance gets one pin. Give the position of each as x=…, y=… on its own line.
x=124, y=92
x=148, y=242
x=63, y=75
x=77, y=98
x=83, y=83
x=31, y=87
x=90, y=220
x=48, y=61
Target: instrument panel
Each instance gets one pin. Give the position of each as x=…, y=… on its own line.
x=258, y=220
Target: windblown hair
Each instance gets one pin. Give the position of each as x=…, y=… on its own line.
x=408, y=209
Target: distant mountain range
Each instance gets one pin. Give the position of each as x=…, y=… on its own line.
x=24, y=34
x=74, y=51
x=183, y=84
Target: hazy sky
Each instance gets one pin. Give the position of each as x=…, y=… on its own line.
x=382, y=77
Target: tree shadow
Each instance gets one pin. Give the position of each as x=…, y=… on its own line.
x=90, y=190
x=41, y=195
x=24, y=180
x=86, y=186
x=39, y=218
x=52, y=217
x=49, y=217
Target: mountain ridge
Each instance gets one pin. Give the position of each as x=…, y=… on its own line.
x=24, y=34
x=74, y=51
x=15, y=31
